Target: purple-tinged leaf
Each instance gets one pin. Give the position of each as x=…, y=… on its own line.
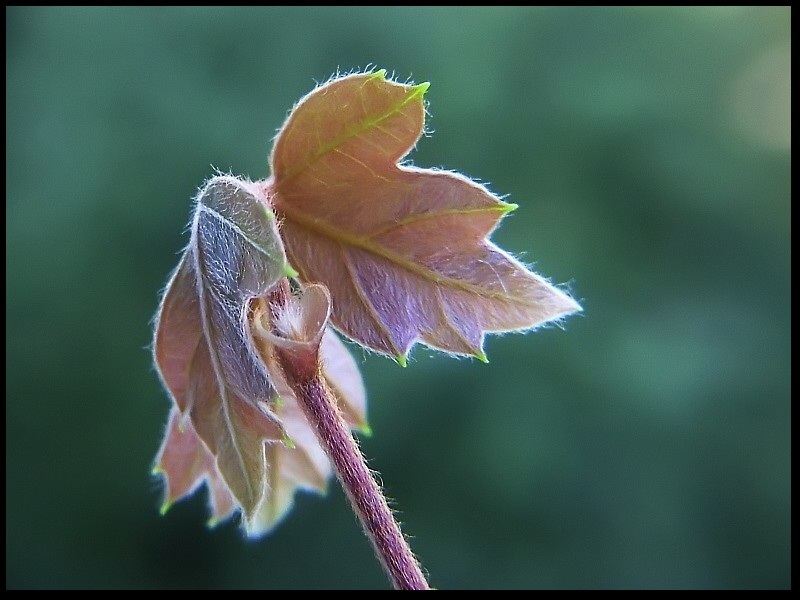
x=404, y=251
x=201, y=344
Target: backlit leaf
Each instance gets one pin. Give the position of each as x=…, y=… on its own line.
x=186, y=463
x=201, y=345
x=232, y=404
x=403, y=250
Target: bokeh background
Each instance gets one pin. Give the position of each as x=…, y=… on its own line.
x=645, y=444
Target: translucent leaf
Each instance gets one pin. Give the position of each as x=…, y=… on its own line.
x=186, y=463
x=232, y=404
x=201, y=345
x=404, y=251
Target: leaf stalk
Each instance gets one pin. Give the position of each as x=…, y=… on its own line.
x=363, y=491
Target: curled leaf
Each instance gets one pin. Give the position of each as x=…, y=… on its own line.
x=201, y=344
x=295, y=328
x=404, y=251
x=235, y=423
x=401, y=254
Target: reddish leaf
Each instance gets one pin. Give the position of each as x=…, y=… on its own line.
x=186, y=463
x=201, y=346
x=404, y=251
x=231, y=399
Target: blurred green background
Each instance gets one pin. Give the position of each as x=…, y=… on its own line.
x=644, y=445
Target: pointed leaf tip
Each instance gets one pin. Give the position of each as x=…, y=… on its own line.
x=288, y=442
x=481, y=356
x=289, y=271
x=404, y=251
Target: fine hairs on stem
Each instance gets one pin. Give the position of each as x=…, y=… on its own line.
x=300, y=364
x=264, y=394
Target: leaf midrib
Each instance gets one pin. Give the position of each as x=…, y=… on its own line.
x=365, y=243
x=205, y=295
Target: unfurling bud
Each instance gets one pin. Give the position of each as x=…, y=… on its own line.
x=293, y=326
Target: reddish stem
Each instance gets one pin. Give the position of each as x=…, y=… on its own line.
x=362, y=490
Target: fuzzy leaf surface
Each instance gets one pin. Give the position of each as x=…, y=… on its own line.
x=404, y=251
x=201, y=347
x=186, y=463
x=231, y=400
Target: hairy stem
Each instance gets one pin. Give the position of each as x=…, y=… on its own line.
x=362, y=490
